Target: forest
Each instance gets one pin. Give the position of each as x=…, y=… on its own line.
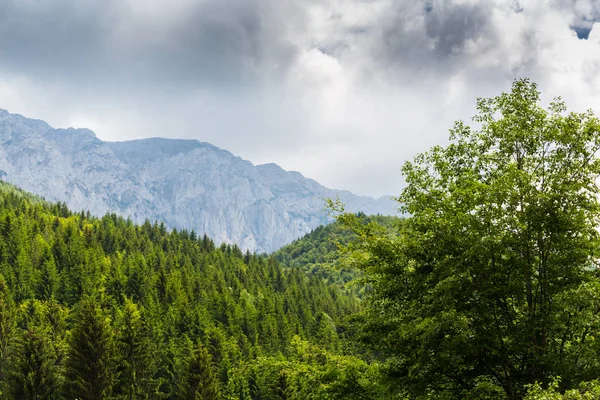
x=487, y=288
x=318, y=253
x=99, y=308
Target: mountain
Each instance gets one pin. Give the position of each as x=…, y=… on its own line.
x=186, y=184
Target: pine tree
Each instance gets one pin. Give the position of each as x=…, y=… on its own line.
x=34, y=373
x=136, y=365
x=47, y=284
x=325, y=333
x=202, y=384
x=7, y=323
x=68, y=273
x=91, y=360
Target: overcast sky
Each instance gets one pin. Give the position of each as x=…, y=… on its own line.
x=343, y=91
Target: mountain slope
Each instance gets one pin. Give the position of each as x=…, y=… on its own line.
x=318, y=252
x=102, y=308
x=184, y=183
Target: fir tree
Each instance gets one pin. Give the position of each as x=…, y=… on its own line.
x=136, y=365
x=7, y=323
x=202, y=384
x=34, y=373
x=90, y=365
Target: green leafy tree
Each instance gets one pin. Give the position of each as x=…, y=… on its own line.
x=585, y=391
x=491, y=283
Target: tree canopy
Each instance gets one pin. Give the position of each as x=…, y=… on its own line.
x=101, y=308
x=317, y=253
x=491, y=284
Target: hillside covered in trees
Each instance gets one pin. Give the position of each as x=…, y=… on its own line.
x=488, y=289
x=102, y=308
x=318, y=252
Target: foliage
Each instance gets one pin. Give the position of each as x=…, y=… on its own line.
x=202, y=381
x=90, y=367
x=34, y=373
x=492, y=283
x=103, y=308
x=585, y=391
x=489, y=290
x=308, y=372
x=317, y=253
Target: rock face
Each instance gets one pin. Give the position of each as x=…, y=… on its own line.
x=184, y=183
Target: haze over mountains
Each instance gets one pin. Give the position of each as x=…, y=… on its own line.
x=184, y=183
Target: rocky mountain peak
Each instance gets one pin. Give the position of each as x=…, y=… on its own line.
x=187, y=184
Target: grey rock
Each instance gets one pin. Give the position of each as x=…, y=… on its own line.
x=186, y=184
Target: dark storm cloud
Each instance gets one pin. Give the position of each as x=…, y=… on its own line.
x=451, y=27
x=233, y=41
x=216, y=43
x=58, y=37
x=427, y=37
x=210, y=41
x=438, y=39
x=220, y=43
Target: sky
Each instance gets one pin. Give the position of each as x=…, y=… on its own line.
x=343, y=91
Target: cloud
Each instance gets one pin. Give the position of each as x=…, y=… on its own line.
x=342, y=90
x=430, y=36
x=175, y=43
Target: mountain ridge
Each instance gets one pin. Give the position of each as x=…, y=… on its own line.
x=185, y=183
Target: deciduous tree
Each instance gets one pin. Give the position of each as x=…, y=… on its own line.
x=492, y=283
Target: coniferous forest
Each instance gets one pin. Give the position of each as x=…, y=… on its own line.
x=489, y=288
x=101, y=308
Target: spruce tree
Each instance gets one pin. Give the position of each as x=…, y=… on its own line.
x=90, y=368
x=34, y=372
x=47, y=283
x=136, y=365
x=202, y=383
x=7, y=323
